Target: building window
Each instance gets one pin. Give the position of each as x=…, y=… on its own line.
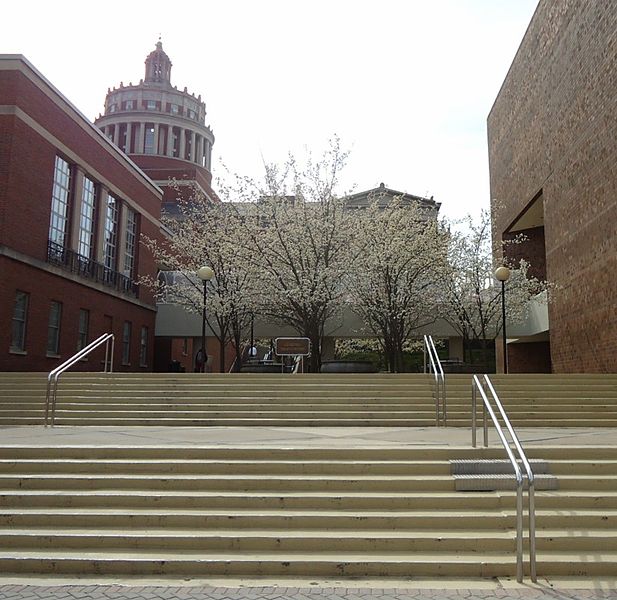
x=59, y=204
x=174, y=109
x=129, y=105
x=126, y=343
x=20, y=315
x=143, y=347
x=112, y=108
x=53, y=329
x=149, y=139
x=86, y=219
x=84, y=324
x=131, y=237
x=185, y=346
x=111, y=234
x=191, y=114
x=151, y=105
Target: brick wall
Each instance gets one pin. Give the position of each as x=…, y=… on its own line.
x=529, y=357
x=45, y=125
x=46, y=287
x=531, y=249
x=553, y=128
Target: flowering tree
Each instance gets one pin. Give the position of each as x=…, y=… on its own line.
x=207, y=233
x=399, y=253
x=471, y=301
x=298, y=234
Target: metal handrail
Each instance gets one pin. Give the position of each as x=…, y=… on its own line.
x=477, y=385
x=434, y=366
x=52, y=378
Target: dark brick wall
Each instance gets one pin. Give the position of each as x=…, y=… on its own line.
x=553, y=128
x=531, y=249
x=529, y=357
x=44, y=288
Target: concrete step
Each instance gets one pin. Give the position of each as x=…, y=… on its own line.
x=228, y=482
x=315, y=500
x=262, y=540
x=491, y=482
x=227, y=467
x=468, y=466
x=280, y=519
x=339, y=564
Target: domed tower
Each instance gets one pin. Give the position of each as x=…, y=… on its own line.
x=161, y=128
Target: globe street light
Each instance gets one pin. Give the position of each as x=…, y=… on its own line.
x=503, y=274
x=204, y=273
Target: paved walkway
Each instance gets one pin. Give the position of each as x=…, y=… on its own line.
x=445, y=591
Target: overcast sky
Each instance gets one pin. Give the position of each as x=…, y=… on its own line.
x=406, y=84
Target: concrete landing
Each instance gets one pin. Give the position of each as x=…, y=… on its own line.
x=297, y=437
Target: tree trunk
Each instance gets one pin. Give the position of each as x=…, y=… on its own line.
x=222, y=356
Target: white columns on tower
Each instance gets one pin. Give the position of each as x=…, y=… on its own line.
x=182, y=143
x=129, y=133
x=156, y=138
x=170, y=140
x=140, y=138
x=193, y=153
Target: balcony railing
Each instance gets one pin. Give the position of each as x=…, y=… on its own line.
x=89, y=269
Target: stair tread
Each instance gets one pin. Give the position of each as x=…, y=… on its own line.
x=235, y=556
x=249, y=532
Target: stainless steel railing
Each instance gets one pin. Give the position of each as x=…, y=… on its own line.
x=52, y=378
x=434, y=366
x=478, y=386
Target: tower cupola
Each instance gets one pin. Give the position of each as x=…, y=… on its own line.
x=158, y=66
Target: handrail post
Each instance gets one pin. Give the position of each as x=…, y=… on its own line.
x=445, y=401
x=519, y=530
x=532, y=531
x=473, y=412
x=433, y=365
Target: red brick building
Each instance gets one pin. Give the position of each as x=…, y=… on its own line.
x=552, y=136
x=72, y=208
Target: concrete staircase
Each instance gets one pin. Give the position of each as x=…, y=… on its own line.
x=538, y=400
x=318, y=512
x=377, y=400
x=302, y=400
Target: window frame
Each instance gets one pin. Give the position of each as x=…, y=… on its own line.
x=110, y=241
x=130, y=243
x=87, y=218
x=60, y=199
x=127, y=327
x=54, y=324
x=143, y=347
x=82, y=334
x=23, y=323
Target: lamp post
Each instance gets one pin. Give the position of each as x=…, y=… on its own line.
x=204, y=273
x=252, y=349
x=503, y=274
